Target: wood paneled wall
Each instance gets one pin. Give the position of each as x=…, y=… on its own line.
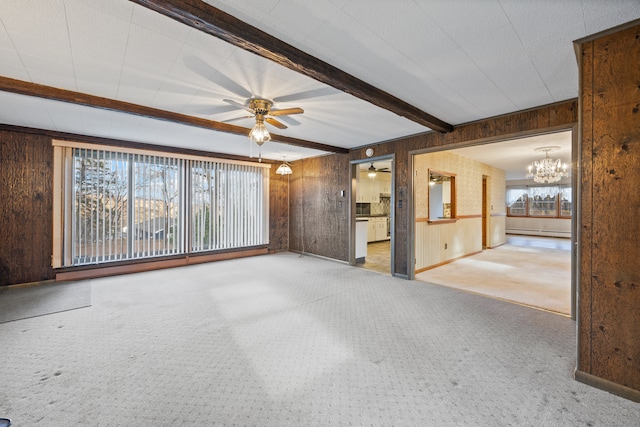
x=26, y=200
x=319, y=215
x=609, y=292
x=278, y=211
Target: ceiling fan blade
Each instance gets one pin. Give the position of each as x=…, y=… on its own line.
x=313, y=93
x=203, y=69
x=275, y=123
x=207, y=109
x=237, y=118
x=286, y=112
x=289, y=120
x=239, y=105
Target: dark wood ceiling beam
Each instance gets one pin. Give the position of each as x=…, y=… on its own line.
x=56, y=94
x=204, y=17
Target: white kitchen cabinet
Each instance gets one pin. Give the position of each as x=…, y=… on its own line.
x=381, y=228
x=371, y=230
x=367, y=190
x=377, y=229
x=374, y=194
x=384, y=183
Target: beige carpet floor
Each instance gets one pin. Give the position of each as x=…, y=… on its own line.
x=288, y=340
x=530, y=271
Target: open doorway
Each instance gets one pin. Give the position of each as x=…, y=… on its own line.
x=504, y=219
x=372, y=216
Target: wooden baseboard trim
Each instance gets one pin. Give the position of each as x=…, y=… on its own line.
x=609, y=386
x=105, y=271
x=496, y=246
x=446, y=262
x=226, y=255
x=318, y=256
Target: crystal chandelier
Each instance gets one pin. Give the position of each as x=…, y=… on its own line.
x=547, y=170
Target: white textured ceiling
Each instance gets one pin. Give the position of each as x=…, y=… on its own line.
x=460, y=60
x=514, y=156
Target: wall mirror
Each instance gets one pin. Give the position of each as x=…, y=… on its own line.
x=441, y=196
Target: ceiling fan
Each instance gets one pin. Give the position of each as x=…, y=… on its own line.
x=263, y=112
x=372, y=170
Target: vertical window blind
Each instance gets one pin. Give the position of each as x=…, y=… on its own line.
x=130, y=205
x=227, y=206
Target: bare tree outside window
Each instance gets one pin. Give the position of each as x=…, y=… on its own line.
x=127, y=206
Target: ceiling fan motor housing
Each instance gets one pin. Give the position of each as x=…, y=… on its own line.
x=260, y=106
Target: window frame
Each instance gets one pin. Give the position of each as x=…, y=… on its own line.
x=556, y=189
x=63, y=184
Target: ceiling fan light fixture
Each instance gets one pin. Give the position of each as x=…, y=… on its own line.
x=259, y=134
x=372, y=171
x=284, y=169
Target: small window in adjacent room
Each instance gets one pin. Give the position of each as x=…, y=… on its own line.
x=441, y=196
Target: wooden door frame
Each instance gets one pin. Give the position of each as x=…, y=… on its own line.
x=575, y=183
x=353, y=173
x=485, y=203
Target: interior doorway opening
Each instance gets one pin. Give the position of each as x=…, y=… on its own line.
x=372, y=214
x=488, y=221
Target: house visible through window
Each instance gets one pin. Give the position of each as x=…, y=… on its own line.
x=124, y=205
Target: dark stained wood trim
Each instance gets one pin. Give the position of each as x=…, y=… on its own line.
x=48, y=92
x=113, y=270
x=208, y=19
x=442, y=221
x=605, y=33
x=449, y=220
x=610, y=386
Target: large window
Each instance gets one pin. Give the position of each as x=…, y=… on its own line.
x=226, y=206
x=117, y=205
x=543, y=201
